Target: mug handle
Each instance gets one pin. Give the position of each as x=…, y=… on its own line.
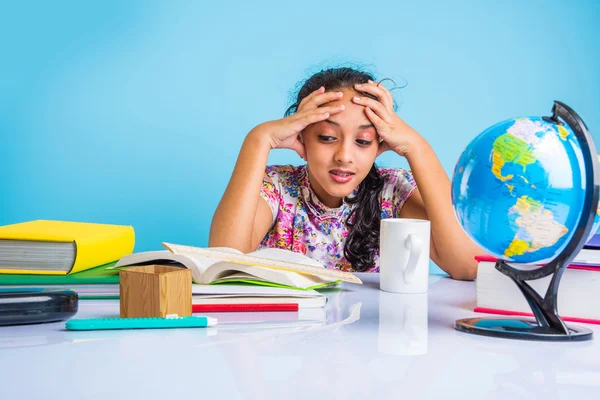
x=415, y=246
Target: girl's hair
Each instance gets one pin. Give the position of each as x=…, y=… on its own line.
x=363, y=239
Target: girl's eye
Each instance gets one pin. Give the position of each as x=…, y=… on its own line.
x=325, y=138
x=363, y=142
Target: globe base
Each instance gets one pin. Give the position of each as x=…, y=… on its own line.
x=522, y=329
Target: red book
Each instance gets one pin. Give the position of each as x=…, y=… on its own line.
x=261, y=307
x=578, y=292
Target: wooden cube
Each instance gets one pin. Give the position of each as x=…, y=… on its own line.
x=155, y=291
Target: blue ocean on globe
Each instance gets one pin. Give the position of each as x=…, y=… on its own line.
x=518, y=189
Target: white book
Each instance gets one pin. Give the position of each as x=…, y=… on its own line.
x=578, y=292
x=240, y=294
x=587, y=257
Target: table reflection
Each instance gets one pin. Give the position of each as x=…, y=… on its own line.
x=402, y=324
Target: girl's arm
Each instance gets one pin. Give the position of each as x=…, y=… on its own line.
x=242, y=218
x=242, y=215
x=451, y=249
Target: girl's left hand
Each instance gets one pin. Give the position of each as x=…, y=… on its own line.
x=397, y=135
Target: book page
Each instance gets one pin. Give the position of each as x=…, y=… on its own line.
x=257, y=273
x=149, y=256
x=224, y=269
x=306, y=267
x=163, y=257
x=202, y=263
x=286, y=255
x=291, y=256
x=196, y=264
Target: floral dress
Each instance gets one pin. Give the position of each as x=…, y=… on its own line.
x=303, y=224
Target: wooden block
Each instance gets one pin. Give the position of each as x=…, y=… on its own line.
x=155, y=291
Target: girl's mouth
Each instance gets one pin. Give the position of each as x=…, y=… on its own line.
x=341, y=176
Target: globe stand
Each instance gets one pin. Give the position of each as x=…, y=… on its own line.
x=548, y=326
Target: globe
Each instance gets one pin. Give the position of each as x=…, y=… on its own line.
x=518, y=189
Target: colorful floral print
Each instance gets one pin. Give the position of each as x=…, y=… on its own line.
x=303, y=224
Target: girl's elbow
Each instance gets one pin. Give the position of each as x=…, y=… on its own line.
x=464, y=271
x=460, y=268
x=464, y=275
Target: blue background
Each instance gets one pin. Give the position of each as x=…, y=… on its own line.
x=133, y=112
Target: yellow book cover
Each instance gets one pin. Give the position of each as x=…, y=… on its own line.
x=31, y=242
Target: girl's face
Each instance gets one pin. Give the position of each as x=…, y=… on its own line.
x=340, y=151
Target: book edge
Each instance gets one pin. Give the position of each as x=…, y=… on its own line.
x=524, y=314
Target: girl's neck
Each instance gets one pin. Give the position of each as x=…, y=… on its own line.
x=324, y=197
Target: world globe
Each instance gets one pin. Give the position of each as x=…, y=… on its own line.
x=518, y=189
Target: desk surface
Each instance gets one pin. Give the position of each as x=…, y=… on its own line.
x=364, y=344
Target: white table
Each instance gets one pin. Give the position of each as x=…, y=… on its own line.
x=365, y=344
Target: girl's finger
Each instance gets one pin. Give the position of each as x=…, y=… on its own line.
x=310, y=96
x=379, y=123
x=375, y=106
x=385, y=90
x=302, y=122
x=383, y=147
x=331, y=110
x=298, y=147
x=380, y=92
x=322, y=98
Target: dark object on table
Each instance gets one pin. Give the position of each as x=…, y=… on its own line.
x=32, y=306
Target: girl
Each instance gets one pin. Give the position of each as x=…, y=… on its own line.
x=330, y=209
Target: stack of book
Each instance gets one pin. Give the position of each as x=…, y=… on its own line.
x=578, y=293
x=87, y=258
x=225, y=276
x=63, y=255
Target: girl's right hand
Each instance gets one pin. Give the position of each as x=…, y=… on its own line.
x=285, y=133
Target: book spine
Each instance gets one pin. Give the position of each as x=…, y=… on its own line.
x=99, y=250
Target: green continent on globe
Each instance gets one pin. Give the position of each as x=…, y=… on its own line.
x=508, y=148
x=519, y=189
x=537, y=227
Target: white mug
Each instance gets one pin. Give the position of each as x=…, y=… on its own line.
x=402, y=324
x=404, y=255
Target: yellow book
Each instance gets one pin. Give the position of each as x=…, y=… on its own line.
x=61, y=247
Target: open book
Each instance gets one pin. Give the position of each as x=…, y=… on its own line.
x=270, y=267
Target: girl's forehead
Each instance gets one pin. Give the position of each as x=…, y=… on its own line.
x=347, y=95
x=353, y=116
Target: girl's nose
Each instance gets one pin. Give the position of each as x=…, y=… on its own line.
x=343, y=154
